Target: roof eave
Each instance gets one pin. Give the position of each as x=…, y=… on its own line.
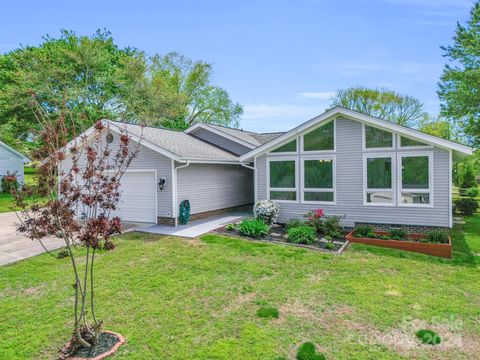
x=336, y=111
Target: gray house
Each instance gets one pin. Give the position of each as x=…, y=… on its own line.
x=11, y=162
x=361, y=168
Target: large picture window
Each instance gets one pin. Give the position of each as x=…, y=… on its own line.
x=378, y=172
x=319, y=180
x=282, y=180
x=320, y=139
x=415, y=180
x=377, y=138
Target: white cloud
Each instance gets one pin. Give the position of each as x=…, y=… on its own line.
x=321, y=95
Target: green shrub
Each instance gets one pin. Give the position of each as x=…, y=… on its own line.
x=363, y=231
x=428, y=337
x=293, y=223
x=332, y=226
x=472, y=192
x=437, y=236
x=398, y=234
x=302, y=235
x=371, y=235
x=254, y=228
x=268, y=313
x=307, y=351
x=330, y=246
x=384, y=237
x=230, y=227
x=466, y=206
x=9, y=183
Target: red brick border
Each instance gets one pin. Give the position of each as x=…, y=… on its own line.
x=440, y=250
x=113, y=350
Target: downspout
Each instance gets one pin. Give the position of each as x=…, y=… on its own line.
x=175, y=191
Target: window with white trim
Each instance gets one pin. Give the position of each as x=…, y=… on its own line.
x=375, y=138
x=415, y=179
x=318, y=180
x=288, y=147
x=282, y=179
x=408, y=142
x=378, y=170
x=320, y=139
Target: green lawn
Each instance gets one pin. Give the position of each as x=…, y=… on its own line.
x=197, y=299
x=6, y=201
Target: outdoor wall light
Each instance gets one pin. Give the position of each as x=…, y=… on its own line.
x=161, y=183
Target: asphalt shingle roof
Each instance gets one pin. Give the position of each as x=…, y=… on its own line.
x=178, y=143
x=252, y=138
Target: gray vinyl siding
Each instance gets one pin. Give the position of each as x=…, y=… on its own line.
x=211, y=187
x=10, y=163
x=150, y=160
x=349, y=186
x=220, y=141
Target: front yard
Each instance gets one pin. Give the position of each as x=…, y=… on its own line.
x=197, y=299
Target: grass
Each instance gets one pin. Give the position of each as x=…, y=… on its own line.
x=6, y=200
x=174, y=298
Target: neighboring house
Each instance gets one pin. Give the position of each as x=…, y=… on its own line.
x=11, y=162
x=361, y=168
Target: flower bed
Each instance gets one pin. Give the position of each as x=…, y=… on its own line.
x=278, y=234
x=414, y=242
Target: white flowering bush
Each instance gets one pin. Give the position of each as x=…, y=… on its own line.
x=266, y=210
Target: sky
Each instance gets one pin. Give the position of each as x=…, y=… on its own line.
x=282, y=60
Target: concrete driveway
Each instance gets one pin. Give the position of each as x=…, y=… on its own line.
x=14, y=246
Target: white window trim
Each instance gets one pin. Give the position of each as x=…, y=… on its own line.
x=364, y=140
x=415, y=147
x=400, y=188
x=314, y=152
x=283, y=158
x=297, y=139
x=302, y=182
x=365, y=179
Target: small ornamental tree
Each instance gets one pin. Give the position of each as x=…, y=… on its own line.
x=81, y=179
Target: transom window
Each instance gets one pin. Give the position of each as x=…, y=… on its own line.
x=319, y=180
x=320, y=139
x=376, y=138
x=407, y=142
x=378, y=180
x=288, y=147
x=282, y=179
x=415, y=180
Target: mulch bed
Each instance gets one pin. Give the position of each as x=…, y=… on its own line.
x=278, y=235
x=108, y=344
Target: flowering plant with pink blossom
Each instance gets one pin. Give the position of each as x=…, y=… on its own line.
x=315, y=219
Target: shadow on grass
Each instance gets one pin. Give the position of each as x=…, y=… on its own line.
x=462, y=255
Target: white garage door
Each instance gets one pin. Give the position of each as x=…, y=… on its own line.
x=138, y=197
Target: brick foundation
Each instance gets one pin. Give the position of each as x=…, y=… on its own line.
x=421, y=229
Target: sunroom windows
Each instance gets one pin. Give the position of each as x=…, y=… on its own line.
x=320, y=139
x=378, y=180
x=375, y=138
x=282, y=179
x=290, y=147
x=318, y=180
x=415, y=179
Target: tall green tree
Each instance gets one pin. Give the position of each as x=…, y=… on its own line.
x=79, y=70
x=439, y=127
x=382, y=103
x=174, y=91
x=459, y=86
x=93, y=78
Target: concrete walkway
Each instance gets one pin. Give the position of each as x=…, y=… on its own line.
x=15, y=247
x=195, y=228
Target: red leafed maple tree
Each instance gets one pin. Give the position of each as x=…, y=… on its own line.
x=80, y=179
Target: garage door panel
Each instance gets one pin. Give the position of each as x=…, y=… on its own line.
x=137, y=197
